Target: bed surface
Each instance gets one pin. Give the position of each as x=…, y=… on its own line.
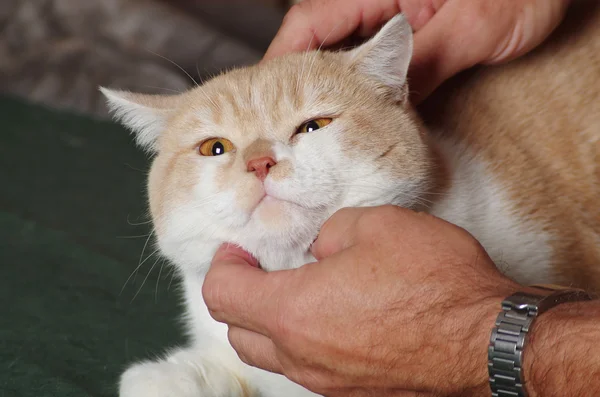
x=68, y=187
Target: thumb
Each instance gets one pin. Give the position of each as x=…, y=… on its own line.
x=236, y=291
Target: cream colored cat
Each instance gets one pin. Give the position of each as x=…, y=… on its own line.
x=262, y=156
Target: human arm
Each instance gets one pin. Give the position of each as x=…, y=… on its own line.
x=562, y=356
x=451, y=35
x=398, y=304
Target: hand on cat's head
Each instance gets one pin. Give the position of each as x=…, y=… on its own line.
x=452, y=35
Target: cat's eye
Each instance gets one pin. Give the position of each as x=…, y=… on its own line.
x=313, y=125
x=215, y=147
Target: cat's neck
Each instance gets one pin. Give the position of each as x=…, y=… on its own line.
x=471, y=196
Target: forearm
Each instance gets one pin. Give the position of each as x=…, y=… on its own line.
x=562, y=355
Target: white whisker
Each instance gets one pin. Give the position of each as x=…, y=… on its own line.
x=145, y=245
x=157, y=280
x=175, y=63
x=145, y=279
x=135, y=271
x=126, y=237
x=172, y=275
x=163, y=88
x=305, y=55
x=137, y=224
x=316, y=53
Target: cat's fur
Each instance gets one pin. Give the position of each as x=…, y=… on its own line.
x=512, y=155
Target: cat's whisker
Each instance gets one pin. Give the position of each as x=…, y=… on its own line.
x=162, y=88
x=162, y=264
x=208, y=97
x=145, y=245
x=316, y=53
x=173, y=270
x=145, y=279
x=140, y=262
x=305, y=55
x=198, y=72
x=145, y=172
x=175, y=63
x=132, y=237
x=135, y=270
x=137, y=224
x=190, y=76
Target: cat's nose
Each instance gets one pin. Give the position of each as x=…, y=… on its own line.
x=261, y=166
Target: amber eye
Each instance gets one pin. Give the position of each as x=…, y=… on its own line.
x=215, y=147
x=313, y=125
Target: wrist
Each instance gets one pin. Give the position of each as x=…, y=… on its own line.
x=561, y=356
x=476, y=377
x=479, y=384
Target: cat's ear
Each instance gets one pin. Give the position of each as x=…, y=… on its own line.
x=145, y=115
x=385, y=57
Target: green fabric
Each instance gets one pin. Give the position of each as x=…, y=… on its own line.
x=69, y=188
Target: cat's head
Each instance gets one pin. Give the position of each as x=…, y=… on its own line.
x=262, y=156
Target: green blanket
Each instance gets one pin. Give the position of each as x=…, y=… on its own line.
x=73, y=225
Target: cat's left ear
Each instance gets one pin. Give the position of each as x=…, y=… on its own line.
x=145, y=115
x=385, y=57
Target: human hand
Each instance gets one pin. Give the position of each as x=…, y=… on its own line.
x=399, y=304
x=451, y=35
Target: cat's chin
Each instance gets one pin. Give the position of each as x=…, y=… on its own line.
x=271, y=211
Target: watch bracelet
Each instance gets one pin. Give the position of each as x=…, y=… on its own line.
x=505, y=354
x=508, y=338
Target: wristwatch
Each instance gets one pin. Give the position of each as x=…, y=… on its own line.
x=505, y=351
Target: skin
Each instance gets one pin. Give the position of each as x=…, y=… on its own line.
x=405, y=304
x=451, y=35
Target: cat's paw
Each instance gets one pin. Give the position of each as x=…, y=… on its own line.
x=177, y=379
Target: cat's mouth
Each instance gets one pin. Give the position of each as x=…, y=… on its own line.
x=267, y=200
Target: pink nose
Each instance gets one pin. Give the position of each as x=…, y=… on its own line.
x=261, y=166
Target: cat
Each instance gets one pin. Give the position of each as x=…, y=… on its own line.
x=262, y=156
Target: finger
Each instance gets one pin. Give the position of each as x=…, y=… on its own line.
x=429, y=65
x=307, y=27
x=311, y=25
x=540, y=22
x=254, y=349
x=451, y=42
x=338, y=232
x=236, y=292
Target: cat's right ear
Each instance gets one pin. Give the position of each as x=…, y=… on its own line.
x=385, y=58
x=145, y=115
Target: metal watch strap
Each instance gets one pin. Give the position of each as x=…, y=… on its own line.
x=505, y=352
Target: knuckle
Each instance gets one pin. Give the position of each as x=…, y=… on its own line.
x=378, y=221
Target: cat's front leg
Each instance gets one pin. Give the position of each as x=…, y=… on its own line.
x=183, y=373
